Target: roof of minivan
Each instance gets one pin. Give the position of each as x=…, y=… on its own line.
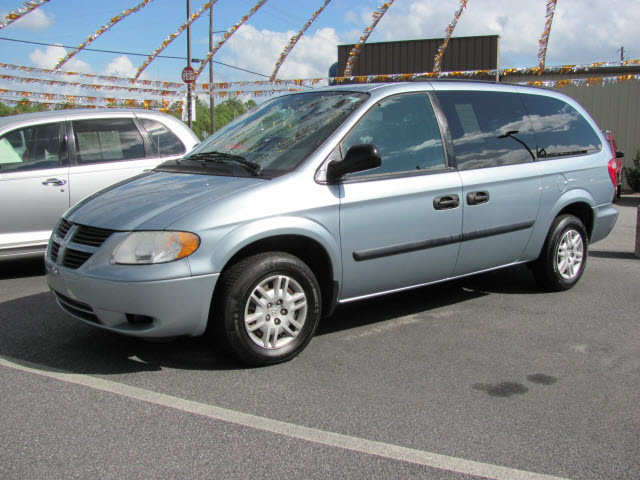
x=368, y=87
x=57, y=114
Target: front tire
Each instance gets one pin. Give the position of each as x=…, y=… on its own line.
x=268, y=308
x=564, y=254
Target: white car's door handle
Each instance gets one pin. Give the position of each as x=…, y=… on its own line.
x=54, y=181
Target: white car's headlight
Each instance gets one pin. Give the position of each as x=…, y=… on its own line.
x=142, y=248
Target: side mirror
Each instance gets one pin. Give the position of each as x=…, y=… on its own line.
x=619, y=155
x=358, y=159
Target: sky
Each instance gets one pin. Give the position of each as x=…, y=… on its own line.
x=584, y=31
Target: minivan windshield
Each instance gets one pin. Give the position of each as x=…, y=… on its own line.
x=277, y=136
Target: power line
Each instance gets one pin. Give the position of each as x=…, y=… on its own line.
x=131, y=53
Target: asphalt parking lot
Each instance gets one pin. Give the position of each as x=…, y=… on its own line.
x=485, y=377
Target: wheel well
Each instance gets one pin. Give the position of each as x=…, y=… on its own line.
x=309, y=251
x=583, y=211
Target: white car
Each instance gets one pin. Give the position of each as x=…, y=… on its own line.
x=49, y=161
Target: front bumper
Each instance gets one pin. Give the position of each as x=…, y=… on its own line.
x=152, y=309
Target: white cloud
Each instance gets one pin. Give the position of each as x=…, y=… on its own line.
x=259, y=51
x=52, y=54
x=35, y=20
x=583, y=31
x=120, y=67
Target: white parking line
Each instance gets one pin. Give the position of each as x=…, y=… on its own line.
x=362, y=445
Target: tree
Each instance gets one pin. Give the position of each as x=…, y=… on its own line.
x=24, y=107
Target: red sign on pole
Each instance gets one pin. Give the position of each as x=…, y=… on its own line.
x=188, y=75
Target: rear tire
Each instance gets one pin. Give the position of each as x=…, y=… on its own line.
x=267, y=309
x=564, y=254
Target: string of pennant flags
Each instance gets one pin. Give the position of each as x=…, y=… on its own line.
x=437, y=62
x=100, y=31
x=18, y=13
x=192, y=18
x=170, y=92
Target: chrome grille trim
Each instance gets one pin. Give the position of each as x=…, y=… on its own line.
x=63, y=228
x=72, y=245
x=91, y=236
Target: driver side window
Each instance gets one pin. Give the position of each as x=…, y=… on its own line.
x=31, y=148
x=406, y=133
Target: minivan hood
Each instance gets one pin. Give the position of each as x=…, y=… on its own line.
x=155, y=201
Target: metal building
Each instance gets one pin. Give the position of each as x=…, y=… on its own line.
x=417, y=56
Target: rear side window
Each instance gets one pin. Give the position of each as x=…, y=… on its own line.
x=107, y=140
x=31, y=148
x=489, y=129
x=164, y=139
x=560, y=129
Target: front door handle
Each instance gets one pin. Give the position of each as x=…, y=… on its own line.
x=477, y=198
x=446, y=202
x=54, y=181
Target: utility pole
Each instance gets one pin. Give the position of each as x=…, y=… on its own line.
x=621, y=50
x=212, y=103
x=189, y=65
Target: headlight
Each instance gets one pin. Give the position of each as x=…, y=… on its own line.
x=155, y=247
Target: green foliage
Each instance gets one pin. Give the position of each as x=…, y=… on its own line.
x=633, y=174
x=24, y=107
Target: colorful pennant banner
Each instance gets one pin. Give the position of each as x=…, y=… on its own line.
x=113, y=79
x=90, y=86
x=18, y=13
x=171, y=37
x=228, y=34
x=437, y=62
x=544, y=40
x=99, y=32
x=294, y=40
x=355, y=51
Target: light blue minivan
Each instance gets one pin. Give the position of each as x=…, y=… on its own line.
x=331, y=196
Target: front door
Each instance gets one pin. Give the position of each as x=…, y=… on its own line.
x=34, y=189
x=400, y=224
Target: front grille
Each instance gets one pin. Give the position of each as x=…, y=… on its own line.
x=74, y=259
x=53, y=251
x=63, y=228
x=80, y=243
x=75, y=308
x=91, y=236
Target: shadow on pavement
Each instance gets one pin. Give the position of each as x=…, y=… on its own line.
x=34, y=329
x=616, y=255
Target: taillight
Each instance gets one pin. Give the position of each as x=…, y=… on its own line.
x=613, y=171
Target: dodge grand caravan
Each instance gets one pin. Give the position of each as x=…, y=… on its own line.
x=332, y=196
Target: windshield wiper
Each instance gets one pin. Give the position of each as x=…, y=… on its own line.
x=221, y=157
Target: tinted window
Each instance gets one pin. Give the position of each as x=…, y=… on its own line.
x=164, y=139
x=107, y=140
x=30, y=148
x=560, y=129
x=406, y=132
x=489, y=129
